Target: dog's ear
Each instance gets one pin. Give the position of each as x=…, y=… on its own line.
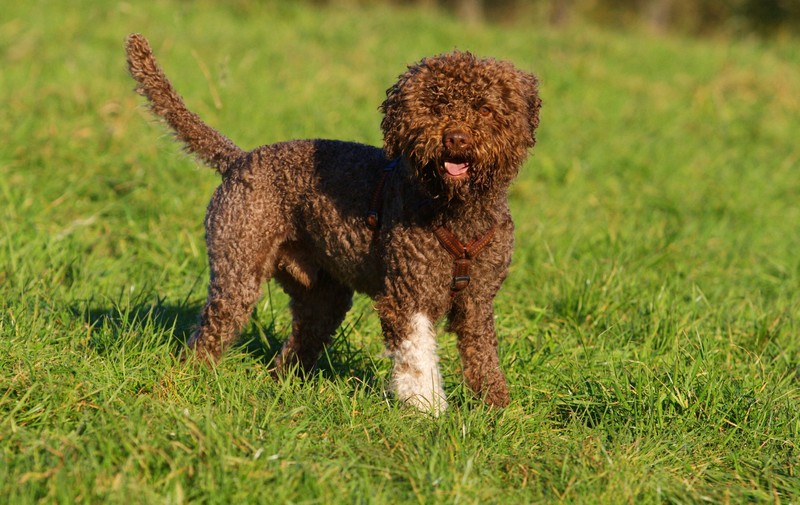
x=391, y=124
x=531, y=86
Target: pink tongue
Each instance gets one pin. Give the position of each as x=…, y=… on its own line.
x=456, y=169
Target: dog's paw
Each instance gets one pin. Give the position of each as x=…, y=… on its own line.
x=498, y=395
x=430, y=399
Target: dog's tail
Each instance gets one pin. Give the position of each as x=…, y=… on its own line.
x=208, y=144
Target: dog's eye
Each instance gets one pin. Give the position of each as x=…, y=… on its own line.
x=485, y=110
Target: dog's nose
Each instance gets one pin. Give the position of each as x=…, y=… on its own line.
x=456, y=140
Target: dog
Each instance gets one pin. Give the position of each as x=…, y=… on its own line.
x=421, y=226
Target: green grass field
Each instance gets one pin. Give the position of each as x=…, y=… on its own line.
x=649, y=328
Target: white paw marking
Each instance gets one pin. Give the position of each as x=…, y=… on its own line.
x=416, y=379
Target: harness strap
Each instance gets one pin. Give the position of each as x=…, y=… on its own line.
x=462, y=254
x=374, y=214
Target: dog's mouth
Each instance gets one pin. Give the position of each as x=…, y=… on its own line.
x=456, y=169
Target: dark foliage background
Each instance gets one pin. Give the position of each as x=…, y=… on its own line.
x=697, y=17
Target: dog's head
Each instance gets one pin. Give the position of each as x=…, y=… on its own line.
x=465, y=124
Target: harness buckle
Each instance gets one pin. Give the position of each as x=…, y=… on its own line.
x=460, y=282
x=372, y=220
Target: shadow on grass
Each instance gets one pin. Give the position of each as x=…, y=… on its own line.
x=157, y=323
x=341, y=359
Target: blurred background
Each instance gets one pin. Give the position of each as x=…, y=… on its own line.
x=701, y=17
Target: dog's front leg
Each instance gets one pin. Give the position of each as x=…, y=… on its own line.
x=473, y=322
x=410, y=338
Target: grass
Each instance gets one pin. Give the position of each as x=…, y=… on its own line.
x=649, y=326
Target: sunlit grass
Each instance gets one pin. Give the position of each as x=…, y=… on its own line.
x=649, y=327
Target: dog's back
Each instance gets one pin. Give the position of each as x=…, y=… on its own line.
x=324, y=189
x=313, y=186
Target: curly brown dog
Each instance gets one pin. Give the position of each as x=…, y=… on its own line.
x=421, y=226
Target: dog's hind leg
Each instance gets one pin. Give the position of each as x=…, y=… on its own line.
x=317, y=311
x=242, y=249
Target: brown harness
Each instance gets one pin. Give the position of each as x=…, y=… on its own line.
x=462, y=254
x=374, y=213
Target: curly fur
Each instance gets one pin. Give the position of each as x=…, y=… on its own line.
x=294, y=211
